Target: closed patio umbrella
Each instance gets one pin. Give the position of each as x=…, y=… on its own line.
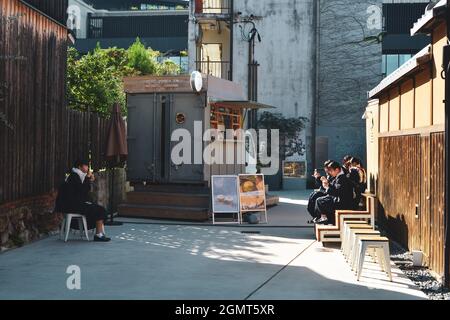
x=116, y=149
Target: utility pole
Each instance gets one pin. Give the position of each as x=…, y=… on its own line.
x=446, y=66
x=252, y=72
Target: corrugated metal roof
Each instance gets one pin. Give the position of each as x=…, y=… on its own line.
x=400, y=17
x=433, y=11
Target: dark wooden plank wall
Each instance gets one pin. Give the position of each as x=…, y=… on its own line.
x=437, y=189
x=411, y=193
x=399, y=172
x=56, y=9
x=86, y=138
x=39, y=137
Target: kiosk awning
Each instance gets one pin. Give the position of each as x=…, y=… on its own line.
x=242, y=104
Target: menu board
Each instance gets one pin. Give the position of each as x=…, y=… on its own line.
x=225, y=196
x=252, y=192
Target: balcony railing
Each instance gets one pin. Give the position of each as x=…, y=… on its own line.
x=159, y=26
x=213, y=6
x=219, y=69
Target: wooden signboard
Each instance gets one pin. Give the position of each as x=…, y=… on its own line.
x=157, y=84
x=252, y=194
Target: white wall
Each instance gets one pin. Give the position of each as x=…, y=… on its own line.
x=81, y=9
x=286, y=54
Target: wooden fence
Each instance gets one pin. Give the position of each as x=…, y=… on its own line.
x=55, y=9
x=411, y=193
x=39, y=136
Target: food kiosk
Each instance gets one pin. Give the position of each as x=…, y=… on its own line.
x=159, y=105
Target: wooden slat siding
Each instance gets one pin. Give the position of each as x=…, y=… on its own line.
x=424, y=213
x=437, y=185
x=34, y=154
x=56, y=9
x=397, y=194
x=412, y=172
x=79, y=134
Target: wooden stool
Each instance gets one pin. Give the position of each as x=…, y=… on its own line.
x=381, y=244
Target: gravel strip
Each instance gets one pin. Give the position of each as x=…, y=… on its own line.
x=419, y=275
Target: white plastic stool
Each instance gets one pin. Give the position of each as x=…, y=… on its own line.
x=355, y=236
x=65, y=225
x=348, y=231
x=381, y=244
x=345, y=229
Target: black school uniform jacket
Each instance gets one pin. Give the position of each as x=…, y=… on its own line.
x=73, y=194
x=341, y=190
x=319, y=182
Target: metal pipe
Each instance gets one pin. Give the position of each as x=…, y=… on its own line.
x=231, y=39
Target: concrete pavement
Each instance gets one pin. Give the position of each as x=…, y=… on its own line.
x=157, y=261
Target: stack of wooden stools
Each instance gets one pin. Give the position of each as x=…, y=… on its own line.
x=359, y=239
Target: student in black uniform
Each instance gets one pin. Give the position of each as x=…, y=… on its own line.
x=346, y=163
x=358, y=177
x=339, y=194
x=73, y=197
x=317, y=193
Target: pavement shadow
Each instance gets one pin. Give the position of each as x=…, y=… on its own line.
x=174, y=262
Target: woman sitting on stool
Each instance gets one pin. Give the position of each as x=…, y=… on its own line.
x=73, y=197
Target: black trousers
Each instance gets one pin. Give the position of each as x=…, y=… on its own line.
x=93, y=213
x=312, y=203
x=326, y=205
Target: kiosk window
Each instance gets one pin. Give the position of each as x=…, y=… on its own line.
x=230, y=118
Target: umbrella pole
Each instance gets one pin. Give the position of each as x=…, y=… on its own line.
x=111, y=221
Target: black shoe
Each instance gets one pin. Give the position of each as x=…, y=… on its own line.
x=322, y=221
x=103, y=238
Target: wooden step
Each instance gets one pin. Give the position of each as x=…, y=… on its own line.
x=168, y=199
x=163, y=212
x=173, y=188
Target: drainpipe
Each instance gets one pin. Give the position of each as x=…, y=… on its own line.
x=446, y=192
x=231, y=38
x=315, y=108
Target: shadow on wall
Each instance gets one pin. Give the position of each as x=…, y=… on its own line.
x=372, y=183
x=396, y=227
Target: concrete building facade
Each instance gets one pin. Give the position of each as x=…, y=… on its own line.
x=111, y=25
x=286, y=54
x=316, y=59
x=349, y=60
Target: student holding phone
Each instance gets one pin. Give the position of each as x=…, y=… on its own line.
x=317, y=193
x=73, y=197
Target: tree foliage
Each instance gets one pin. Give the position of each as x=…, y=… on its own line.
x=141, y=59
x=289, y=127
x=94, y=80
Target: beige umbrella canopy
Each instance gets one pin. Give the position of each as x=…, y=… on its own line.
x=116, y=144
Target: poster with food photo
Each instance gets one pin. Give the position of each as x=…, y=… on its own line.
x=252, y=192
x=225, y=197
